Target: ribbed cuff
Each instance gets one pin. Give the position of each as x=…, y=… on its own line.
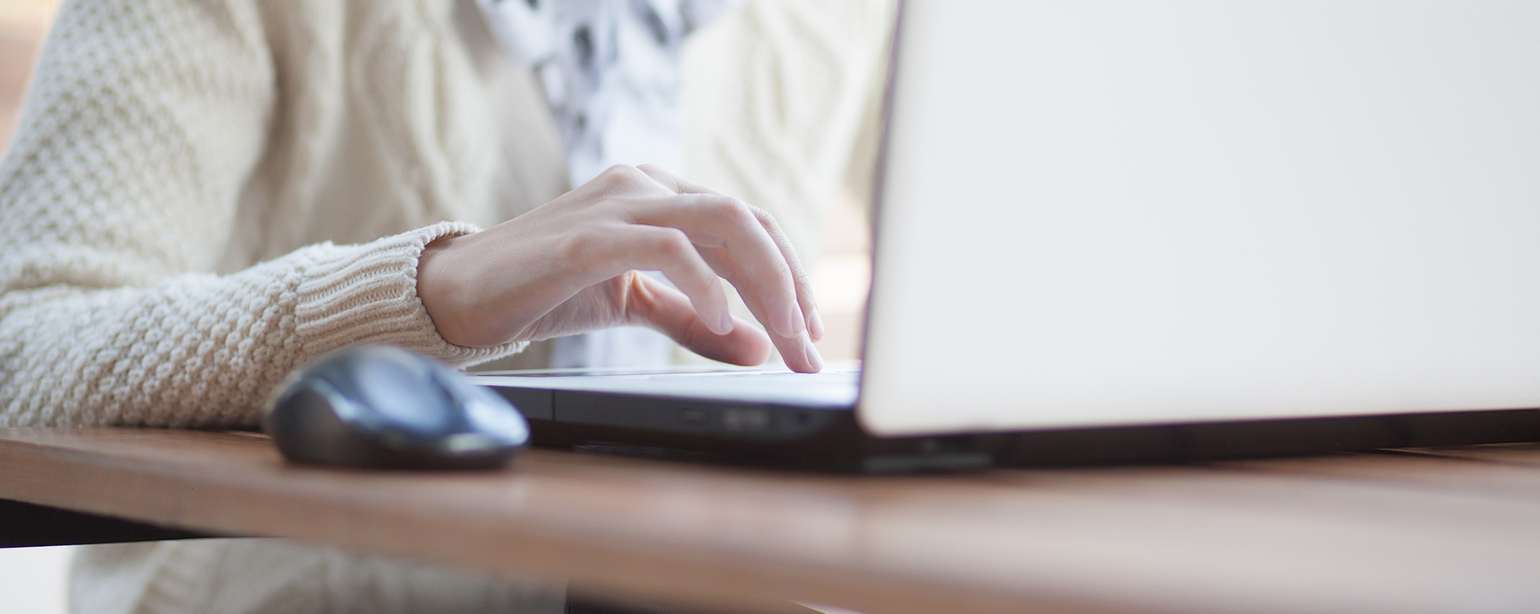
x=367, y=293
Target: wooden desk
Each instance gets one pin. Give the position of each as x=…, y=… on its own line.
x=1454, y=530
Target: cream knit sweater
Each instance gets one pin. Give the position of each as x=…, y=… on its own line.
x=167, y=141
x=181, y=167
x=193, y=202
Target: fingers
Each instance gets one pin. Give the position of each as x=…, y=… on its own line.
x=745, y=245
x=668, y=250
x=797, y=350
x=665, y=310
x=807, y=305
x=725, y=226
x=803, y=284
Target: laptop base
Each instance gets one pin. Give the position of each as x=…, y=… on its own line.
x=836, y=443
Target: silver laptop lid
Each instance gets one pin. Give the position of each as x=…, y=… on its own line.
x=1128, y=212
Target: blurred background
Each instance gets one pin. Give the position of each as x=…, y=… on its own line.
x=780, y=102
x=23, y=23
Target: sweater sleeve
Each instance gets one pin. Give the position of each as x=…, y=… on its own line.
x=116, y=198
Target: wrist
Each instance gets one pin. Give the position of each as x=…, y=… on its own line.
x=443, y=289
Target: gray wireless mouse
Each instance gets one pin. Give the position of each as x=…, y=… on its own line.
x=383, y=407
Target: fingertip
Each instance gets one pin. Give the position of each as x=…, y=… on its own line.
x=812, y=361
x=814, y=324
x=815, y=361
x=745, y=345
x=813, y=357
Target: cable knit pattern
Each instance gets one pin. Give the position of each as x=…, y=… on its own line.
x=138, y=163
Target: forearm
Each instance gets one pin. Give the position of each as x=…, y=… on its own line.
x=205, y=350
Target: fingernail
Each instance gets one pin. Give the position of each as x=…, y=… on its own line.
x=726, y=324
x=794, y=324
x=813, y=358
x=814, y=323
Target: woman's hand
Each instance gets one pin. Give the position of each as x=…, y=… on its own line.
x=570, y=266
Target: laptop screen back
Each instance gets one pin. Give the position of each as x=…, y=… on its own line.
x=1124, y=212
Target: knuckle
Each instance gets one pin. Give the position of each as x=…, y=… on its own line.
x=733, y=209
x=622, y=174
x=673, y=242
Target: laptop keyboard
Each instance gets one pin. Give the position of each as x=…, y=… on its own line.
x=831, y=388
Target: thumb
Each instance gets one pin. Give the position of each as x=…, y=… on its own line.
x=666, y=310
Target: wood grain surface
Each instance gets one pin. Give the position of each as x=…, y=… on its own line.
x=1449, y=530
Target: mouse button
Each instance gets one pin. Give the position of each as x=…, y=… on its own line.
x=402, y=396
x=494, y=417
x=310, y=423
x=482, y=412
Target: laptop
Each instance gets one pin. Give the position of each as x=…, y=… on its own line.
x=1118, y=231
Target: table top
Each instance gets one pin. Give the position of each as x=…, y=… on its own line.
x=1429, y=530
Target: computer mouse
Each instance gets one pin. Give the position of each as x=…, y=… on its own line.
x=383, y=407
